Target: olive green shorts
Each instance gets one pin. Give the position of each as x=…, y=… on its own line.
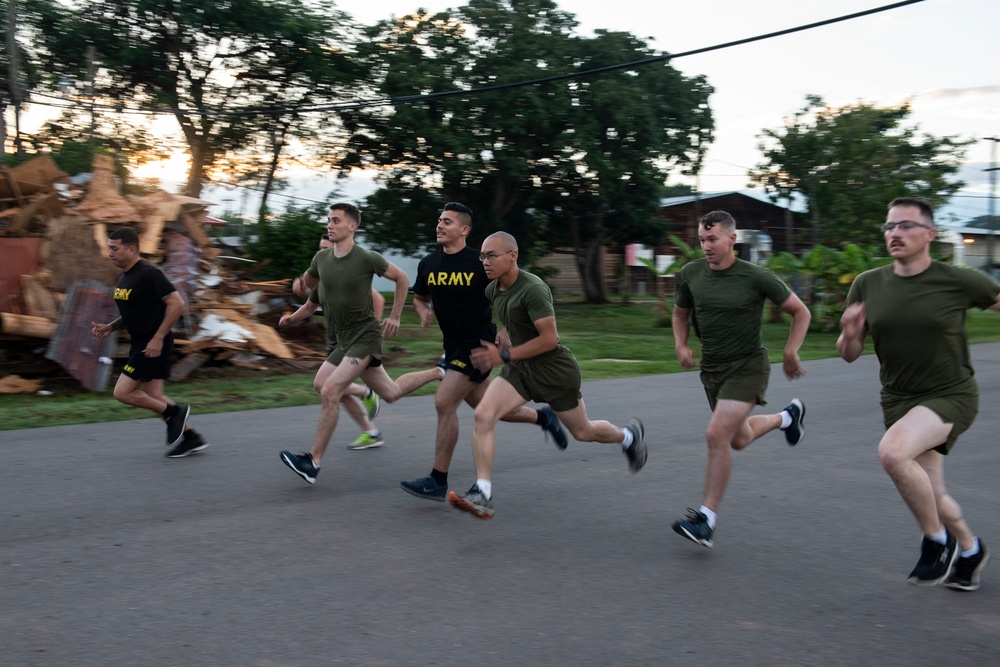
x=359, y=343
x=744, y=379
x=552, y=378
x=957, y=407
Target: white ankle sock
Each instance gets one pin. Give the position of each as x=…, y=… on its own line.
x=710, y=515
x=973, y=551
x=486, y=487
x=786, y=420
x=627, y=442
x=940, y=537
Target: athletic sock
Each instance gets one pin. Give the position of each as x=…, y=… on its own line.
x=786, y=419
x=627, y=442
x=368, y=391
x=439, y=477
x=941, y=537
x=973, y=551
x=375, y=433
x=170, y=411
x=710, y=515
x=486, y=487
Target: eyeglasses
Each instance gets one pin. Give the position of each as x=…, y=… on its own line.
x=493, y=255
x=905, y=225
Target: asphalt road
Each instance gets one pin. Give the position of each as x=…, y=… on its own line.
x=111, y=554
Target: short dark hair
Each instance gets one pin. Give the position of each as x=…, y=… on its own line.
x=925, y=208
x=721, y=218
x=351, y=210
x=126, y=235
x=455, y=206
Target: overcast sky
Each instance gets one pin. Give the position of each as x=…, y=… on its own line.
x=941, y=55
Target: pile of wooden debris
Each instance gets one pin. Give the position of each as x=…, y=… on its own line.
x=56, y=278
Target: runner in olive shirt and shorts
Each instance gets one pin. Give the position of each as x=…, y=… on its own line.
x=723, y=297
x=915, y=310
x=536, y=367
x=345, y=272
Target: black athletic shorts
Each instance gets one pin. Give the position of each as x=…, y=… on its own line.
x=458, y=357
x=143, y=369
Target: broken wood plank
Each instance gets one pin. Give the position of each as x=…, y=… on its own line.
x=26, y=325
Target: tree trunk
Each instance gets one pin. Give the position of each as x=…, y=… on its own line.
x=193, y=188
x=277, y=144
x=590, y=263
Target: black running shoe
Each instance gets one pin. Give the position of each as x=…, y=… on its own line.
x=935, y=562
x=302, y=465
x=554, y=428
x=965, y=574
x=636, y=452
x=191, y=443
x=694, y=526
x=176, y=421
x=426, y=488
x=795, y=431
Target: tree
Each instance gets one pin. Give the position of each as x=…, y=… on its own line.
x=578, y=162
x=289, y=242
x=849, y=162
x=204, y=60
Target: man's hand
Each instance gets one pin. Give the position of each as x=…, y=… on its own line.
x=390, y=327
x=792, y=366
x=154, y=348
x=101, y=331
x=285, y=320
x=685, y=355
x=486, y=357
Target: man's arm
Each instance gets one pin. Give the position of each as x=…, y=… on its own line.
x=996, y=305
x=853, y=331
x=425, y=309
x=796, y=335
x=488, y=356
x=680, y=324
x=175, y=306
x=305, y=311
x=390, y=326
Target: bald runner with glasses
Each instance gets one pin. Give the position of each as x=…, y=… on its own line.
x=915, y=311
x=535, y=367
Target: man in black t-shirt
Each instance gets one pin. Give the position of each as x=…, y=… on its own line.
x=149, y=307
x=451, y=285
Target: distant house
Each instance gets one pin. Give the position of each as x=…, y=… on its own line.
x=786, y=230
x=971, y=245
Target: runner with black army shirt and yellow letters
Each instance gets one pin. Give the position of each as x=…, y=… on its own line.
x=149, y=306
x=451, y=285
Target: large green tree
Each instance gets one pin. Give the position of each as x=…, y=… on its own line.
x=573, y=163
x=204, y=60
x=849, y=162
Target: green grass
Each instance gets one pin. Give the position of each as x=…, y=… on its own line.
x=611, y=341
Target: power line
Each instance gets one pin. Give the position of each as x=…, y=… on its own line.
x=410, y=99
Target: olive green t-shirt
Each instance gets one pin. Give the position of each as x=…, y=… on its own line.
x=517, y=308
x=728, y=306
x=917, y=324
x=346, y=284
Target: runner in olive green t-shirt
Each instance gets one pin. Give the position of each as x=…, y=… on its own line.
x=535, y=368
x=723, y=297
x=915, y=310
x=345, y=272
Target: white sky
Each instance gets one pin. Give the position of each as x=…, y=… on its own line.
x=941, y=54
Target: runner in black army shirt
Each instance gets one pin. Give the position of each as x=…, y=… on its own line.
x=451, y=284
x=149, y=306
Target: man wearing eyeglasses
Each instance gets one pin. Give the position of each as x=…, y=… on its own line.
x=723, y=297
x=915, y=311
x=536, y=367
x=451, y=285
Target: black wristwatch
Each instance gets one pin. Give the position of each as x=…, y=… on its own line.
x=505, y=355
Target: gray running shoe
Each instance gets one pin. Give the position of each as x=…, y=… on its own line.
x=474, y=502
x=694, y=526
x=965, y=574
x=191, y=443
x=636, y=452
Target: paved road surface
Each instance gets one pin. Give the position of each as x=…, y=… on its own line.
x=111, y=554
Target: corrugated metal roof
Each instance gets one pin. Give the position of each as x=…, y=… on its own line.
x=73, y=347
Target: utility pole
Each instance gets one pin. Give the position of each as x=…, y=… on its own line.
x=14, y=75
x=993, y=190
x=91, y=56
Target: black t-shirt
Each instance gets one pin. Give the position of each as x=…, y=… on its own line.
x=456, y=285
x=139, y=295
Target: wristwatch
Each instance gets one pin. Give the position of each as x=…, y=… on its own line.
x=505, y=355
